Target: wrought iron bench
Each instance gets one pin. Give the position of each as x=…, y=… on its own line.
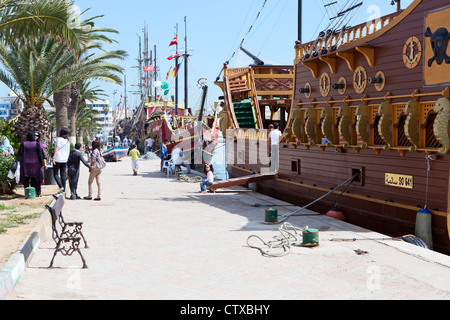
x=70, y=233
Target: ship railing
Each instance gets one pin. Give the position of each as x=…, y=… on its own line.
x=398, y=126
x=251, y=134
x=334, y=39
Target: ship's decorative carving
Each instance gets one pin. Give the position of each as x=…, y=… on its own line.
x=412, y=109
x=362, y=124
x=345, y=117
x=297, y=125
x=327, y=125
x=441, y=122
x=385, y=124
x=310, y=125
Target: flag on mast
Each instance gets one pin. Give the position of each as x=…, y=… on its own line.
x=175, y=70
x=173, y=56
x=168, y=73
x=149, y=68
x=174, y=41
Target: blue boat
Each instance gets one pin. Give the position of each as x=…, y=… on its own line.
x=115, y=151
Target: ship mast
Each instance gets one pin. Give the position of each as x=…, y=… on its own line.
x=176, y=76
x=300, y=7
x=186, y=57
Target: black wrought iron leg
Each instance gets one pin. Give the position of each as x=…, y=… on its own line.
x=82, y=259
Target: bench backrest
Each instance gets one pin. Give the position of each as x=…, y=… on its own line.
x=56, y=209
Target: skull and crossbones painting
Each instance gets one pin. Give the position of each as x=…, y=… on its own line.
x=439, y=43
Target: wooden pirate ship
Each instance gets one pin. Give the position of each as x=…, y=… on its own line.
x=373, y=99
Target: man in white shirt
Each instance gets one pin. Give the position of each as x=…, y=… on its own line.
x=274, y=139
x=148, y=145
x=177, y=158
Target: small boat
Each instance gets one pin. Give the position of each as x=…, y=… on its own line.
x=115, y=151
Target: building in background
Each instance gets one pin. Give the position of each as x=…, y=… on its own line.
x=105, y=117
x=8, y=108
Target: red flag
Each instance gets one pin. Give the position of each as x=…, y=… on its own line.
x=174, y=41
x=145, y=80
x=168, y=73
x=148, y=68
x=173, y=56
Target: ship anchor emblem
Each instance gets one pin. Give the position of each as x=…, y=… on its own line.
x=412, y=52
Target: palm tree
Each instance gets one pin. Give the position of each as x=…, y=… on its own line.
x=67, y=100
x=36, y=68
x=86, y=121
x=55, y=18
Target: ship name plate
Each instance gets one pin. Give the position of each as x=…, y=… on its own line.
x=399, y=180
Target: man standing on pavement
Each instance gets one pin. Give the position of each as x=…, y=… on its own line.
x=274, y=140
x=148, y=145
x=73, y=169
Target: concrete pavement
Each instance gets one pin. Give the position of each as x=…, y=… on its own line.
x=154, y=238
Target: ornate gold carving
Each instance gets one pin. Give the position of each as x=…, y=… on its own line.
x=325, y=84
x=310, y=125
x=223, y=121
x=327, y=125
x=412, y=124
x=412, y=52
x=360, y=80
x=362, y=124
x=297, y=125
x=345, y=116
x=441, y=122
x=385, y=124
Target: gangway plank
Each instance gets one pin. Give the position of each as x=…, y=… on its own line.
x=242, y=181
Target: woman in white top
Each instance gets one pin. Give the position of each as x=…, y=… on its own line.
x=209, y=178
x=62, y=151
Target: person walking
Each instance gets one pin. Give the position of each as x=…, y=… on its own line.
x=73, y=170
x=95, y=171
x=31, y=157
x=274, y=137
x=62, y=150
x=134, y=153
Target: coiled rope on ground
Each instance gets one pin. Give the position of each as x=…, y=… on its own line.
x=290, y=235
x=183, y=178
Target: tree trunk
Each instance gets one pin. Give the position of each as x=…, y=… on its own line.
x=61, y=100
x=72, y=111
x=33, y=119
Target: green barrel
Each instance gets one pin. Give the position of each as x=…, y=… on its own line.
x=30, y=193
x=271, y=215
x=311, y=238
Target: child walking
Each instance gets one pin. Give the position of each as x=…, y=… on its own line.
x=134, y=153
x=209, y=178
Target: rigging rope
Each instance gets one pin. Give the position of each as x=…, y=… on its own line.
x=295, y=213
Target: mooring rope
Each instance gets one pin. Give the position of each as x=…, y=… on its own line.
x=290, y=235
x=295, y=213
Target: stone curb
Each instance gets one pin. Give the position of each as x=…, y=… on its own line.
x=19, y=261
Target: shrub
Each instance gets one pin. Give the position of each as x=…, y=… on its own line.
x=7, y=186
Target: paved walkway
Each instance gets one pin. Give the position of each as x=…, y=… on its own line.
x=155, y=238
